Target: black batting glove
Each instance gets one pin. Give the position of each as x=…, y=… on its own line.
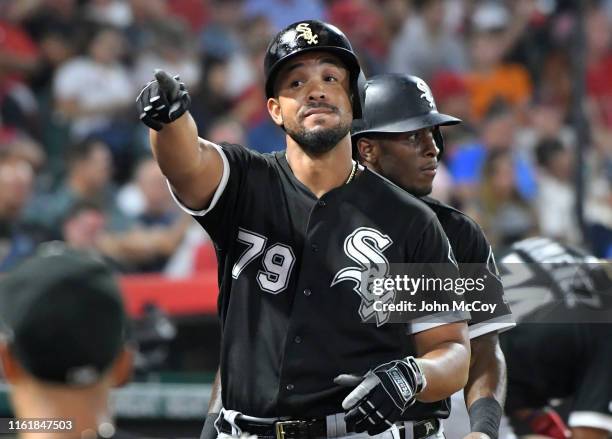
x=162, y=100
x=381, y=396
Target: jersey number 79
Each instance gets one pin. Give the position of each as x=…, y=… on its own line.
x=277, y=261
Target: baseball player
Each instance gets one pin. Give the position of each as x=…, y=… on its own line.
x=63, y=345
x=562, y=346
x=299, y=234
x=399, y=136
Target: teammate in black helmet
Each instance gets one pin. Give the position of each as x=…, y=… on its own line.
x=399, y=136
x=562, y=345
x=305, y=353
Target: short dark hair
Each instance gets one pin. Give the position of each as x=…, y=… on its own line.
x=498, y=107
x=547, y=149
x=63, y=315
x=79, y=206
x=80, y=151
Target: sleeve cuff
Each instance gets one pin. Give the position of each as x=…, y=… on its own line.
x=498, y=325
x=426, y=323
x=217, y=194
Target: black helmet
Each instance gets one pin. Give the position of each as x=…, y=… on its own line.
x=305, y=36
x=399, y=103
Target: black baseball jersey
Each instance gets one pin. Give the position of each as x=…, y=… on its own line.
x=547, y=281
x=291, y=298
x=475, y=257
x=561, y=347
x=471, y=248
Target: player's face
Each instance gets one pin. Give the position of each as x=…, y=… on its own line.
x=313, y=101
x=407, y=159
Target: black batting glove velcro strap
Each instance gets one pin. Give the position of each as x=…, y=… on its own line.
x=401, y=380
x=382, y=395
x=162, y=101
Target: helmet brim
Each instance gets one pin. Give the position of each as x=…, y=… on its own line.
x=432, y=119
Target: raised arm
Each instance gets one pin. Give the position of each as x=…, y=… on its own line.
x=192, y=165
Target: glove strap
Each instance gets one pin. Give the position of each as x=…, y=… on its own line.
x=421, y=381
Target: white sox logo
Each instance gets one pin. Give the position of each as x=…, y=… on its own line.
x=306, y=33
x=365, y=246
x=426, y=92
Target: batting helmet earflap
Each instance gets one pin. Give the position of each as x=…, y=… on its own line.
x=311, y=35
x=399, y=103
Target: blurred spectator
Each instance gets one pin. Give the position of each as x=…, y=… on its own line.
x=497, y=132
x=555, y=86
x=159, y=209
x=425, y=45
x=16, y=180
x=145, y=13
x=245, y=67
x=212, y=100
x=220, y=37
x=56, y=48
x=63, y=344
x=598, y=193
x=88, y=178
x=230, y=131
x=194, y=13
x=249, y=104
x=500, y=210
x=18, y=53
x=158, y=226
x=45, y=17
x=599, y=68
x=452, y=97
x=24, y=148
x=171, y=51
x=95, y=91
x=362, y=22
x=144, y=249
x=19, y=57
x=556, y=199
x=281, y=13
x=490, y=78
x=545, y=120
x=451, y=93
x=116, y=13
x=83, y=225
x=395, y=13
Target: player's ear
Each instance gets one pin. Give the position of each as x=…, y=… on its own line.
x=368, y=150
x=123, y=367
x=11, y=369
x=275, y=111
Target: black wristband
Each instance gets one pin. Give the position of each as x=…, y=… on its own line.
x=209, y=431
x=485, y=416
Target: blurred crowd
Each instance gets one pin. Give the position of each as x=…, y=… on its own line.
x=75, y=163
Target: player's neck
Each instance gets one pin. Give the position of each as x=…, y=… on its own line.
x=86, y=408
x=321, y=173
